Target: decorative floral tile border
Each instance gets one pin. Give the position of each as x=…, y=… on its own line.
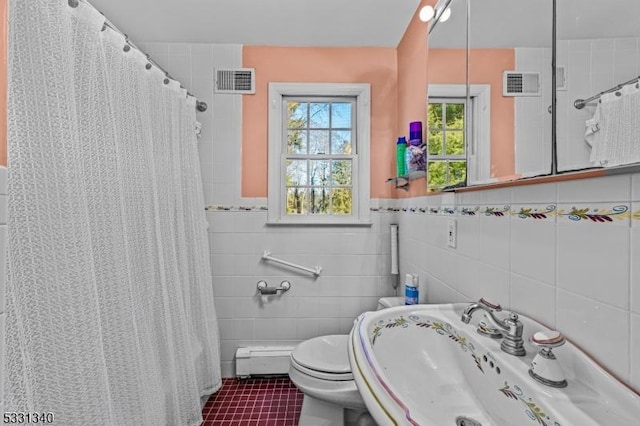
x=599, y=213
x=635, y=214
x=535, y=212
x=499, y=211
x=593, y=213
x=469, y=211
x=224, y=208
x=448, y=210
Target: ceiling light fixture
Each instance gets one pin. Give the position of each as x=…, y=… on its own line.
x=427, y=13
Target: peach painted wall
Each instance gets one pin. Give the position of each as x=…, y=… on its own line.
x=448, y=66
x=377, y=66
x=3, y=82
x=413, y=55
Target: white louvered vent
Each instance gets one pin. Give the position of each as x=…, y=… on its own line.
x=515, y=83
x=239, y=80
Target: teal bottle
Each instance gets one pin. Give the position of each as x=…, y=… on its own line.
x=401, y=150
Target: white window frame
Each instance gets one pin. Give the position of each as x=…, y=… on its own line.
x=479, y=136
x=360, y=214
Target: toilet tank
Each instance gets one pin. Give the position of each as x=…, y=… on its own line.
x=390, y=302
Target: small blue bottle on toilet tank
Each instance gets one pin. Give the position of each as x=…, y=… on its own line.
x=411, y=290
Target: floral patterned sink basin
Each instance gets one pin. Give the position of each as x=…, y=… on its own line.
x=421, y=365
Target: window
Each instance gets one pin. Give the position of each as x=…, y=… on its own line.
x=318, y=153
x=447, y=157
x=443, y=120
x=320, y=149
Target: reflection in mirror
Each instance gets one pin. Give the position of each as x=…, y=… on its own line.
x=598, y=109
x=507, y=120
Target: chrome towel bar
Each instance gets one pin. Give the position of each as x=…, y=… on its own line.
x=315, y=271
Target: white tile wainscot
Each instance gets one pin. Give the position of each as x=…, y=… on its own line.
x=355, y=274
x=4, y=201
x=564, y=253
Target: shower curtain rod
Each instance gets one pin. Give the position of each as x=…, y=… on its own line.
x=581, y=103
x=200, y=105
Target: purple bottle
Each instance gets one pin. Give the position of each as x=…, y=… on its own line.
x=415, y=131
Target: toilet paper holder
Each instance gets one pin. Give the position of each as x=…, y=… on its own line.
x=265, y=290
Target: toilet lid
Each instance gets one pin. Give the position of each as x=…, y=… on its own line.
x=325, y=353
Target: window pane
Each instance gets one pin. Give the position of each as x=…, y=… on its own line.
x=437, y=174
x=341, y=115
x=435, y=143
x=296, y=172
x=297, y=142
x=319, y=115
x=341, y=172
x=455, y=116
x=435, y=116
x=457, y=172
x=319, y=173
x=296, y=114
x=320, y=203
x=341, y=142
x=341, y=200
x=297, y=200
x=318, y=141
x=455, y=142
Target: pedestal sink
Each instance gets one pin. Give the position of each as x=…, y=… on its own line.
x=421, y=365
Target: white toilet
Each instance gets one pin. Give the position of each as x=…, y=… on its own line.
x=320, y=369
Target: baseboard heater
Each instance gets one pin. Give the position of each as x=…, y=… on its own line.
x=258, y=361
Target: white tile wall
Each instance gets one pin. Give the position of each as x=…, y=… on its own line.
x=533, y=250
x=3, y=273
x=355, y=274
x=598, y=328
x=635, y=349
x=579, y=276
x=593, y=261
x=220, y=142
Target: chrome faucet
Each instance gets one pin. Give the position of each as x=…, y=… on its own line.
x=511, y=326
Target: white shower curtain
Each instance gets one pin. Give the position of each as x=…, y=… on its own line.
x=110, y=315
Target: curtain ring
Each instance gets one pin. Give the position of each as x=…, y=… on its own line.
x=618, y=94
x=74, y=3
x=126, y=48
x=148, y=66
x=201, y=106
x=166, y=81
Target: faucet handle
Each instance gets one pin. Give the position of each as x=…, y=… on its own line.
x=544, y=367
x=548, y=339
x=489, y=304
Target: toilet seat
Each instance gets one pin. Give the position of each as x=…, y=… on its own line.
x=323, y=357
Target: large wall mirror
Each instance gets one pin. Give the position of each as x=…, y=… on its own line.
x=598, y=98
x=503, y=50
x=490, y=72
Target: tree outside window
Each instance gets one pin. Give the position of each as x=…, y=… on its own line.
x=447, y=157
x=320, y=150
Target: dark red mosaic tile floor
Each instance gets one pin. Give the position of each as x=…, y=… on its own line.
x=254, y=402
